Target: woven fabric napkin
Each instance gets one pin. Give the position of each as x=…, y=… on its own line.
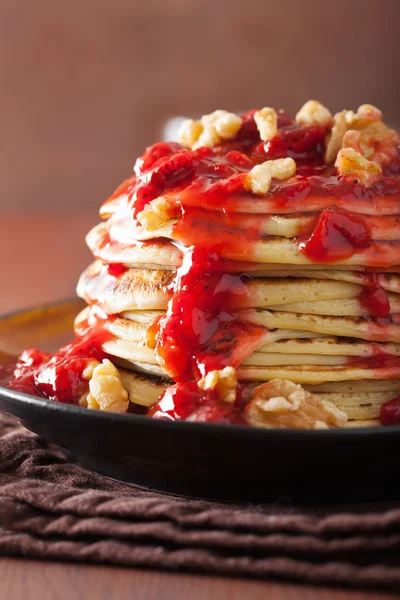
x=53, y=509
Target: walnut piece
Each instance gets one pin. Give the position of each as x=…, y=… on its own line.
x=107, y=391
x=267, y=123
x=351, y=163
x=190, y=132
x=284, y=404
x=210, y=130
x=155, y=214
x=259, y=179
x=373, y=134
x=375, y=142
x=365, y=115
x=88, y=371
x=224, y=382
x=313, y=113
x=335, y=138
x=225, y=123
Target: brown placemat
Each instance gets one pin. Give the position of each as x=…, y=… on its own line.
x=53, y=509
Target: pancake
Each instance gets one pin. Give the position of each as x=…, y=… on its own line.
x=143, y=289
x=258, y=366
x=366, y=328
x=135, y=289
x=288, y=226
x=305, y=374
x=361, y=405
x=306, y=203
x=388, y=281
x=161, y=252
x=349, y=307
x=330, y=346
x=133, y=327
x=350, y=387
x=363, y=423
x=142, y=389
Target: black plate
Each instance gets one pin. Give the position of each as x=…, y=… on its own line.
x=196, y=459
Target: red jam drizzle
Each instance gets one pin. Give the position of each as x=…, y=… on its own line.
x=199, y=332
x=390, y=412
x=374, y=298
x=58, y=377
x=116, y=269
x=187, y=402
x=384, y=362
x=300, y=143
x=337, y=235
x=199, y=228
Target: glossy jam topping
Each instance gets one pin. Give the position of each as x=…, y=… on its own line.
x=116, y=269
x=58, y=376
x=187, y=402
x=375, y=299
x=390, y=412
x=337, y=235
x=199, y=331
x=304, y=144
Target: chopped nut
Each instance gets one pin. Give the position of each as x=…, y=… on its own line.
x=375, y=142
x=190, y=132
x=106, y=389
x=313, y=113
x=226, y=124
x=88, y=371
x=267, y=123
x=208, y=138
x=351, y=163
x=284, y=404
x=367, y=120
x=258, y=180
x=224, y=381
x=155, y=214
x=365, y=115
x=210, y=130
x=335, y=138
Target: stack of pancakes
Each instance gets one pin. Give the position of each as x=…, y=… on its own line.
x=315, y=325
x=317, y=333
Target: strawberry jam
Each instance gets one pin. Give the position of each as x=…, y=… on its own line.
x=116, y=269
x=375, y=299
x=199, y=332
x=390, y=412
x=337, y=235
x=188, y=402
x=58, y=377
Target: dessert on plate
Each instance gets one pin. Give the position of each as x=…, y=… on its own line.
x=247, y=274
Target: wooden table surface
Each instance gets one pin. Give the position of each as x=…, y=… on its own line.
x=41, y=258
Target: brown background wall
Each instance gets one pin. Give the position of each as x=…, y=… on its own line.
x=85, y=85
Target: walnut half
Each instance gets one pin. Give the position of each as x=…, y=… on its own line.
x=107, y=391
x=284, y=404
x=259, y=179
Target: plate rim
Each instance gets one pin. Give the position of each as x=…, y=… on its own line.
x=212, y=428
